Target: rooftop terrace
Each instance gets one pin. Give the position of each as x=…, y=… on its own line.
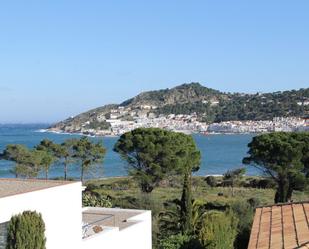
x=13, y=186
x=281, y=226
x=107, y=217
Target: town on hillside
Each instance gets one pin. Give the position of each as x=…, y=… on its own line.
x=194, y=108
x=121, y=120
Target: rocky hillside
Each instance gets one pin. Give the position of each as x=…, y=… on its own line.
x=183, y=94
x=209, y=104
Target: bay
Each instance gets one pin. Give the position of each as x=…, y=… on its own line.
x=220, y=152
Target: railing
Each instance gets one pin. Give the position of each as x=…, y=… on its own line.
x=88, y=228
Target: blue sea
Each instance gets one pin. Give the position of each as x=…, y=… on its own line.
x=219, y=152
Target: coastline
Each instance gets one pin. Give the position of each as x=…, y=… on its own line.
x=99, y=135
x=73, y=133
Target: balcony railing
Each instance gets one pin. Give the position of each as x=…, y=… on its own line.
x=95, y=223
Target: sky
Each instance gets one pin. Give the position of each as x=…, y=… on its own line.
x=60, y=57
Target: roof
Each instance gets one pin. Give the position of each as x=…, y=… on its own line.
x=281, y=226
x=14, y=186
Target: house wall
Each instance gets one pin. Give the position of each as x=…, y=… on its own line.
x=61, y=211
x=136, y=236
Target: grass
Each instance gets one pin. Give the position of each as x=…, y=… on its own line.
x=123, y=189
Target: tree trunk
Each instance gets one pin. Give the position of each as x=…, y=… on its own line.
x=46, y=174
x=186, y=204
x=65, y=170
x=282, y=194
x=82, y=173
x=146, y=188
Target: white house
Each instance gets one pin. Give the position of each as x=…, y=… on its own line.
x=68, y=225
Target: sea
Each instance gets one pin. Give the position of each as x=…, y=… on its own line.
x=220, y=152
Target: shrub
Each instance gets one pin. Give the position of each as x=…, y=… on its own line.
x=244, y=212
x=211, y=181
x=261, y=183
x=96, y=200
x=218, y=230
x=254, y=202
x=26, y=231
x=180, y=241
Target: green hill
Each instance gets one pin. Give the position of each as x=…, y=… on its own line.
x=210, y=105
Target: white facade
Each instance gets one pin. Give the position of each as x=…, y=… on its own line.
x=61, y=209
x=136, y=236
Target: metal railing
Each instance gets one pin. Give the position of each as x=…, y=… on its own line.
x=88, y=227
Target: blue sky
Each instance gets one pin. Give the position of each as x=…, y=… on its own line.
x=60, y=57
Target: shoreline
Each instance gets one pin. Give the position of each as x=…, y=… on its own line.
x=120, y=177
x=192, y=133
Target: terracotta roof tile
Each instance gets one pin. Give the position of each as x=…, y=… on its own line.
x=281, y=226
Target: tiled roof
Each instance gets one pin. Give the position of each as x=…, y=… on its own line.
x=14, y=186
x=283, y=226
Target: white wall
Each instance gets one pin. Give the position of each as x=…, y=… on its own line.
x=136, y=236
x=61, y=211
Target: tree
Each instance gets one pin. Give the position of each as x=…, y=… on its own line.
x=153, y=153
x=46, y=150
x=47, y=160
x=88, y=153
x=189, y=161
x=26, y=231
x=232, y=177
x=27, y=162
x=150, y=155
x=64, y=153
x=281, y=156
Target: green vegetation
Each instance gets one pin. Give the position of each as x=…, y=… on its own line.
x=27, y=162
x=95, y=124
x=218, y=230
x=30, y=162
x=282, y=156
x=164, y=202
x=88, y=154
x=46, y=148
x=231, y=177
x=180, y=241
x=153, y=153
x=26, y=231
x=96, y=200
x=239, y=106
x=64, y=154
x=244, y=107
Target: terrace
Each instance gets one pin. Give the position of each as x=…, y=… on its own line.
x=97, y=220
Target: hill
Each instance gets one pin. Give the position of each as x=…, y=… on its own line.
x=210, y=105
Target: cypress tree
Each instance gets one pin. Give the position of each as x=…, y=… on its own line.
x=186, y=204
x=26, y=231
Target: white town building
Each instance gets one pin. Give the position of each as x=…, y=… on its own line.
x=67, y=224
